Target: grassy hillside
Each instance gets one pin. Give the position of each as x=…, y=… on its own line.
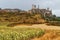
x=21, y=18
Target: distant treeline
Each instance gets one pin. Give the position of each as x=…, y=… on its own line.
x=55, y=21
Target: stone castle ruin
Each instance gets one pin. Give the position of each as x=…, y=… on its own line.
x=43, y=12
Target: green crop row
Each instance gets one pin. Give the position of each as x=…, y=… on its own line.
x=20, y=34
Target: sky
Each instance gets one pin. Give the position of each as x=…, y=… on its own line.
x=54, y=5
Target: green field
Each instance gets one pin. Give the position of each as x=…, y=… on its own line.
x=19, y=33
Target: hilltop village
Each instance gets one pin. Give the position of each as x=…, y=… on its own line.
x=33, y=16
x=43, y=12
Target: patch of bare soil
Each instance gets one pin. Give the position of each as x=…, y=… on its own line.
x=42, y=26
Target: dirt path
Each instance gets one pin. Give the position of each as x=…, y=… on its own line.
x=42, y=26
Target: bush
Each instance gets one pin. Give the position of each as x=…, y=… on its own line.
x=55, y=23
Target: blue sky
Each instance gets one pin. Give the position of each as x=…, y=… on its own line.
x=26, y=4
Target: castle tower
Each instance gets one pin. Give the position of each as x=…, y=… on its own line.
x=33, y=6
x=48, y=9
x=38, y=6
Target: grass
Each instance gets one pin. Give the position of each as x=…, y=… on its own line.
x=7, y=33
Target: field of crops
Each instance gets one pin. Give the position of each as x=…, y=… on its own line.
x=20, y=33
